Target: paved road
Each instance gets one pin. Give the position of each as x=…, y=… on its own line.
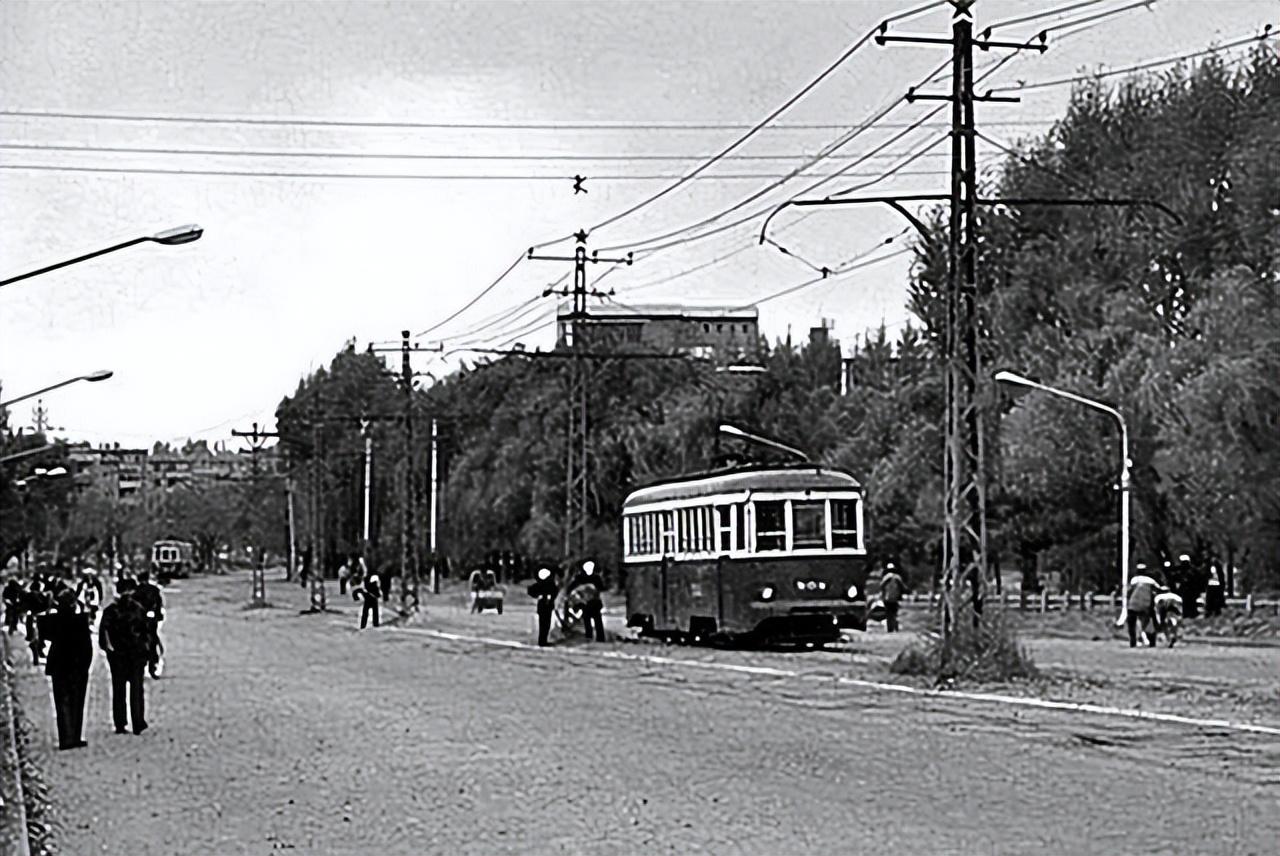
x=276, y=731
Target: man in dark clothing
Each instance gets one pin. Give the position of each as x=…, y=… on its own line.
x=14, y=595
x=70, y=654
x=585, y=590
x=544, y=589
x=36, y=602
x=149, y=598
x=1189, y=587
x=1215, y=597
x=892, y=587
x=122, y=634
x=371, y=591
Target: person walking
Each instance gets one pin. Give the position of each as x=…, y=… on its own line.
x=371, y=591
x=70, y=655
x=344, y=576
x=14, y=596
x=35, y=603
x=123, y=635
x=89, y=593
x=152, y=602
x=585, y=590
x=544, y=591
x=892, y=587
x=1141, y=608
x=1215, y=597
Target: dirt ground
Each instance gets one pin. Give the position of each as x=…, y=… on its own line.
x=274, y=731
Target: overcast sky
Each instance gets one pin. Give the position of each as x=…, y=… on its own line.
x=207, y=337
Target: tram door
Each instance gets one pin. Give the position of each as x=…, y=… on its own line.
x=663, y=577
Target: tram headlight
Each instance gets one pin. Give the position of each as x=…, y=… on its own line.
x=766, y=593
x=852, y=593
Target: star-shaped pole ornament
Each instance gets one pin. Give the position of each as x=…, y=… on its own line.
x=580, y=236
x=962, y=8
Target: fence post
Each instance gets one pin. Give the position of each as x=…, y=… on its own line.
x=1044, y=600
x=1248, y=604
x=1087, y=603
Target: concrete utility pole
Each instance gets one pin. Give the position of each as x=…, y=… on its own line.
x=435, y=489
x=576, y=481
x=368, y=483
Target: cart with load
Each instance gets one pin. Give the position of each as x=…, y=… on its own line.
x=485, y=592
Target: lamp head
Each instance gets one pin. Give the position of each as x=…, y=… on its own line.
x=1009, y=377
x=102, y=374
x=729, y=429
x=180, y=235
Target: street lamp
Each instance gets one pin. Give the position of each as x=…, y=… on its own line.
x=93, y=377
x=764, y=441
x=1125, y=464
x=169, y=238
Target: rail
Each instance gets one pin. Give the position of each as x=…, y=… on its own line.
x=13, y=805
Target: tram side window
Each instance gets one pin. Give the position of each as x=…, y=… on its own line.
x=844, y=523
x=808, y=525
x=740, y=526
x=724, y=528
x=771, y=526
x=668, y=532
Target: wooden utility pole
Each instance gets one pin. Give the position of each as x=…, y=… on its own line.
x=576, y=445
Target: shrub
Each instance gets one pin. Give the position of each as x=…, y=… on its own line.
x=990, y=652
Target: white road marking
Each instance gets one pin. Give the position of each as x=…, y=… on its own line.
x=987, y=698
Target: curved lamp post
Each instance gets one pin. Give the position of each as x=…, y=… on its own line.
x=1125, y=464
x=733, y=431
x=169, y=238
x=93, y=377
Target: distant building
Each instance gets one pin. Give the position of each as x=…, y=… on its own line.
x=718, y=332
x=131, y=474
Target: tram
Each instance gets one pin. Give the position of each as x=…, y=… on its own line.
x=172, y=560
x=757, y=555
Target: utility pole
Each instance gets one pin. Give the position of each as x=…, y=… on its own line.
x=256, y=437
x=408, y=507
x=435, y=490
x=368, y=483
x=576, y=481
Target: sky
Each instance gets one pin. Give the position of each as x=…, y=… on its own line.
x=208, y=337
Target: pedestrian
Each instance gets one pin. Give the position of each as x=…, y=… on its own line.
x=14, y=595
x=70, y=655
x=1168, y=607
x=123, y=635
x=892, y=587
x=34, y=605
x=1190, y=585
x=149, y=598
x=89, y=593
x=1215, y=597
x=585, y=590
x=370, y=591
x=1141, y=608
x=344, y=575
x=544, y=591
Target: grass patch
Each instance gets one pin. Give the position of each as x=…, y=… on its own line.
x=988, y=653
x=40, y=835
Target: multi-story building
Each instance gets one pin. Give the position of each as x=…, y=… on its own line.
x=718, y=332
x=129, y=474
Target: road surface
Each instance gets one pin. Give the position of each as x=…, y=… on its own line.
x=277, y=731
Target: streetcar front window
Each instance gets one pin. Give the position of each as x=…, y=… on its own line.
x=771, y=526
x=808, y=525
x=844, y=523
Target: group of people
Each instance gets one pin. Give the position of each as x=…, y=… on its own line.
x=59, y=620
x=583, y=597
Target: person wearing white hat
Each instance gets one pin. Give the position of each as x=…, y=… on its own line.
x=585, y=590
x=544, y=591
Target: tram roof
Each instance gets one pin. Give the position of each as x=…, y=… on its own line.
x=801, y=477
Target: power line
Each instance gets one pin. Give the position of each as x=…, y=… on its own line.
x=1035, y=16
x=432, y=156
x=805, y=90
x=1081, y=78
x=230, y=173
x=627, y=127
